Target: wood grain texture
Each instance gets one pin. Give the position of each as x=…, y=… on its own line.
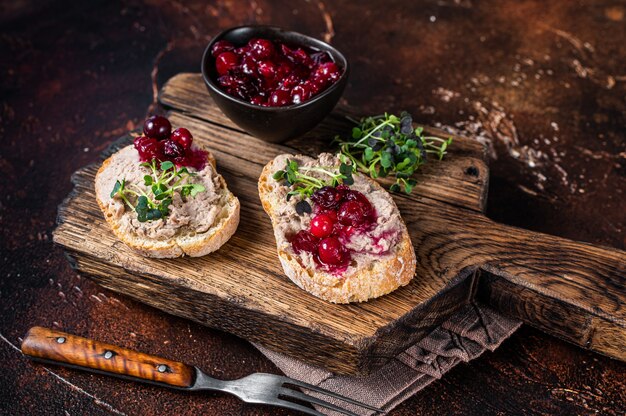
x=58, y=347
x=241, y=288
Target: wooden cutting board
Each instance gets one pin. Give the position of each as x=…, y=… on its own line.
x=572, y=290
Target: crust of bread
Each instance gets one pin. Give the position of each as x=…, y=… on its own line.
x=380, y=278
x=179, y=245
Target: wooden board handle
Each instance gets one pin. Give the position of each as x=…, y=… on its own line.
x=572, y=290
x=59, y=347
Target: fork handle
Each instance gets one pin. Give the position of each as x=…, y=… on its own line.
x=73, y=351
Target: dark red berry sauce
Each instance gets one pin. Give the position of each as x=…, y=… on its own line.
x=338, y=213
x=273, y=74
x=161, y=143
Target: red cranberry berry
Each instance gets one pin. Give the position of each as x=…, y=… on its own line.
x=304, y=241
x=248, y=66
x=328, y=72
x=261, y=48
x=172, y=150
x=316, y=85
x=343, y=189
x=279, y=98
x=286, y=51
x=220, y=47
x=183, y=137
x=225, y=62
x=331, y=213
x=326, y=197
x=267, y=69
x=331, y=251
x=301, y=57
x=351, y=213
x=322, y=225
x=357, y=196
x=299, y=94
x=157, y=127
x=291, y=81
x=147, y=148
x=138, y=141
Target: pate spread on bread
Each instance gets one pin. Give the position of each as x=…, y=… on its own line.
x=196, y=213
x=379, y=256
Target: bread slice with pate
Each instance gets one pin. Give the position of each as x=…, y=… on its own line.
x=344, y=243
x=192, y=225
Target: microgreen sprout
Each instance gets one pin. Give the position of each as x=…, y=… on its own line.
x=387, y=145
x=163, y=182
x=304, y=184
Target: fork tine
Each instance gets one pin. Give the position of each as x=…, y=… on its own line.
x=296, y=406
x=305, y=397
x=329, y=393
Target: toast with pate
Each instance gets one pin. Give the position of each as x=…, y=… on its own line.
x=190, y=225
x=342, y=243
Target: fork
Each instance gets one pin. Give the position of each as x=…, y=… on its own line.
x=54, y=347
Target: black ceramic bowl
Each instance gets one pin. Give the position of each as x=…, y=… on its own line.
x=274, y=124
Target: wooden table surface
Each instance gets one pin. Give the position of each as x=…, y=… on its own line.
x=542, y=84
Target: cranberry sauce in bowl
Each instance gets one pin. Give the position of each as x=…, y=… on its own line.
x=274, y=84
x=272, y=73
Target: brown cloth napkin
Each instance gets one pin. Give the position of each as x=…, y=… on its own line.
x=463, y=337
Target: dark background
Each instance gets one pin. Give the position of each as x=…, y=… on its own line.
x=543, y=84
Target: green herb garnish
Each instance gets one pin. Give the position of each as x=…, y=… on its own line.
x=163, y=183
x=304, y=184
x=387, y=145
